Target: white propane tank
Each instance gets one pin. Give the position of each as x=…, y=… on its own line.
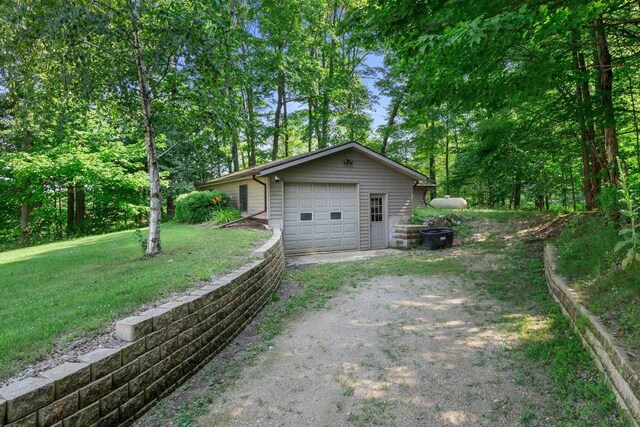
x=448, y=202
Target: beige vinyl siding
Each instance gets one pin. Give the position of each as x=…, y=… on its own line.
x=418, y=197
x=372, y=177
x=255, y=195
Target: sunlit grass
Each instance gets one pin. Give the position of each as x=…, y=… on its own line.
x=70, y=288
x=586, y=256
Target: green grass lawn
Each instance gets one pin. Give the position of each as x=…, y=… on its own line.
x=68, y=289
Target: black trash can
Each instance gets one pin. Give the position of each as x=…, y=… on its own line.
x=437, y=238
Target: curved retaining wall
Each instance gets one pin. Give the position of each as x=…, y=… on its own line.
x=609, y=357
x=114, y=386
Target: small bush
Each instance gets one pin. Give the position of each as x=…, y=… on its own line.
x=609, y=201
x=223, y=216
x=586, y=246
x=198, y=206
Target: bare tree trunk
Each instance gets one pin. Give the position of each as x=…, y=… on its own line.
x=26, y=208
x=80, y=207
x=517, y=194
x=278, y=112
x=71, y=204
x=387, y=130
x=573, y=188
x=432, y=175
x=285, y=118
x=233, y=132
x=251, y=130
x=446, y=161
x=587, y=133
x=155, y=207
x=310, y=120
x=635, y=120
x=605, y=71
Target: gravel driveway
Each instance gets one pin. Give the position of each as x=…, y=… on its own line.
x=397, y=351
x=409, y=346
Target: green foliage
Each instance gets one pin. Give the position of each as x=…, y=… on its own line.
x=630, y=231
x=587, y=257
x=586, y=246
x=142, y=240
x=225, y=215
x=609, y=201
x=199, y=206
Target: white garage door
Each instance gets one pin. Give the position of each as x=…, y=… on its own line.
x=320, y=217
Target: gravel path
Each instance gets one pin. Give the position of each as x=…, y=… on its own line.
x=396, y=351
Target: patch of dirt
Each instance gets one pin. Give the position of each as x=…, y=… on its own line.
x=248, y=224
x=547, y=229
x=394, y=351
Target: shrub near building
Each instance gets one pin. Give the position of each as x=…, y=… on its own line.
x=199, y=206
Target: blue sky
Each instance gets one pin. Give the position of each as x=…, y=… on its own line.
x=379, y=109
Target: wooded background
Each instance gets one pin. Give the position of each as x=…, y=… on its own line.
x=111, y=108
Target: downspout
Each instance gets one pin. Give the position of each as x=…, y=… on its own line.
x=255, y=214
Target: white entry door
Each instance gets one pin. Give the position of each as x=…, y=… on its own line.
x=320, y=217
x=378, y=220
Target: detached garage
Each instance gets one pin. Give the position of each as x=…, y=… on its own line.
x=344, y=197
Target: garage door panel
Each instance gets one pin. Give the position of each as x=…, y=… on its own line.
x=305, y=188
x=321, y=215
x=290, y=216
x=349, y=215
x=321, y=233
x=349, y=228
x=306, y=230
x=321, y=188
x=291, y=203
x=305, y=203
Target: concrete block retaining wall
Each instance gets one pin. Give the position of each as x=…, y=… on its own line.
x=611, y=359
x=114, y=386
x=406, y=236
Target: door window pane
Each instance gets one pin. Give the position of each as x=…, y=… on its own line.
x=376, y=209
x=306, y=216
x=336, y=215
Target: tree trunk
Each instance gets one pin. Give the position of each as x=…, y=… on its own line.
x=446, y=161
x=587, y=132
x=432, y=175
x=155, y=207
x=278, y=112
x=605, y=72
x=71, y=204
x=310, y=121
x=80, y=207
x=517, y=194
x=636, y=128
x=25, y=207
x=232, y=130
x=286, y=123
x=171, y=209
x=387, y=130
x=573, y=188
x=251, y=130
